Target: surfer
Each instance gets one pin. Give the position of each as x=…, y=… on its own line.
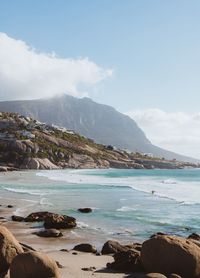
x=152, y=192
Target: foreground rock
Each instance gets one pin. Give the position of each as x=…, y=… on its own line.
x=17, y=218
x=85, y=247
x=112, y=247
x=52, y=220
x=58, y=221
x=9, y=248
x=48, y=233
x=170, y=254
x=126, y=261
x=33, y=264
x=37, y=216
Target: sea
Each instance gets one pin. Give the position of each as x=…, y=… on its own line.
x=128, y=205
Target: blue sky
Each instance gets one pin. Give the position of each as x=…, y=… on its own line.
x=152, y=47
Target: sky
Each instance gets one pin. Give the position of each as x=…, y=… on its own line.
x=140, y=56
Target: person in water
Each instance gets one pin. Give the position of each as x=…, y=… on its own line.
x=152, y=192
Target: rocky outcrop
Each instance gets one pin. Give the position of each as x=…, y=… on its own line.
x=112, y=247
x=85, y=247
x=9, y=248
x=34, y=264
x=125, y=164
x=126, y=261
x=58, y=221
x=17, y=218
x=52, y=220
x=38, y=163
x=170, y=254
x=37, y=216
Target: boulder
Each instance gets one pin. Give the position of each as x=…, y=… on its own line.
x=85, y=210
x=126, y=261
x=9, y=248
x=58, y=221
x=194, y=236
x=48, y=233
x=112, y=247
x=37, y=216
x=17, y=218
x=38, y=163
x=33, y=264
x=85, y=247
x=52, y=220
x=171, y=254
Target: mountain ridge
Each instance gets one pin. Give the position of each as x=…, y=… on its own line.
x=100, y=122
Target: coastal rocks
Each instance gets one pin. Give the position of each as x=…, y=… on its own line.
x=194, y=236
x=112, y=247
x=33, y=264
x=48, y=233
x=9, y=248
x=126, y=261
x=85, y=210
x=52, y=220
x=170, y=254
x=17, y=218
x=127, y=164
x=38, y=163
x=85, y=247
x=37, y=216
x=58, y=221
x=7, y=169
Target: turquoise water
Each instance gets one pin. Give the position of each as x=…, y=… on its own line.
x=124, y=207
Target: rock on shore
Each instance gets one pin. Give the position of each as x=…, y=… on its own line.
x=171, y=254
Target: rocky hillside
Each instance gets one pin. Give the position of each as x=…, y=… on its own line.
x=26, y=143
x=100, y=122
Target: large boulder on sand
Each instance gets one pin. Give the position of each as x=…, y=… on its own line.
x=126, y=261
x=112, y=247
x=171, y=254
x=85, y=247
x=9, y=248
x=33, y=264
x=48, y=233
x=38, y=216
x=58, y=221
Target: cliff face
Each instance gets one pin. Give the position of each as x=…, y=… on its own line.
x=28, y=144
x=99, y=122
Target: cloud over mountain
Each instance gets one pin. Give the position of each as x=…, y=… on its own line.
x=26, y=73
x=178, y=131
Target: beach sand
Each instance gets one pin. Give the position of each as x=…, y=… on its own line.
x=72, y=264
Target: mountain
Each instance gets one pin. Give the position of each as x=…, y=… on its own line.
x=99, y=122
x=26, y=143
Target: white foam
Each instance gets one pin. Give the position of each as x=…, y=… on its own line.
x=45, y=202
x=179, y=190
x=124, y=209
x=25, y=191
x=82, y=225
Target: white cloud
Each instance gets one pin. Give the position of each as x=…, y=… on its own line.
x=28, y=74
x=178, y=132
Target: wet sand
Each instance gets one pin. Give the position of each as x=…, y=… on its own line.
x=72, y=263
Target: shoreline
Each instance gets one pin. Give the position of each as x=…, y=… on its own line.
x=72, y=262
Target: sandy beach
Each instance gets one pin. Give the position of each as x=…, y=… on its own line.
x=72, y=262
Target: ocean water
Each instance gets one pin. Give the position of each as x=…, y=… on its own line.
x=128, y=205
